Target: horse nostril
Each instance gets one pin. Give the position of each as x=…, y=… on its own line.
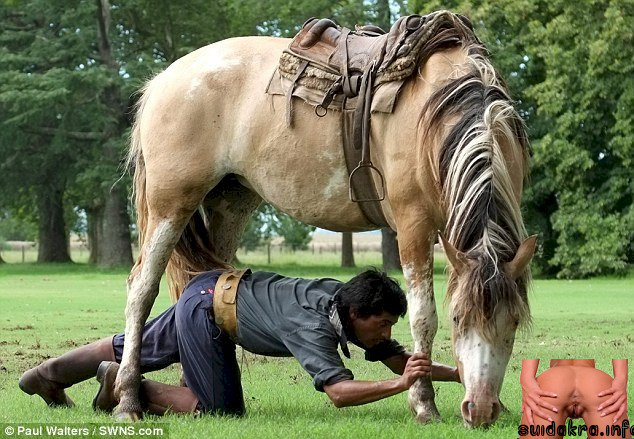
x=480, y=414
x=467, y=408
x=497, y=408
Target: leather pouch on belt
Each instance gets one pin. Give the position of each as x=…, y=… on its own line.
x=225, y=293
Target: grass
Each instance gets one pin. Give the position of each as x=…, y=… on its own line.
x=46, y=310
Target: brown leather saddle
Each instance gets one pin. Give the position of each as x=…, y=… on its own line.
x=338, y=63
x=339, y=50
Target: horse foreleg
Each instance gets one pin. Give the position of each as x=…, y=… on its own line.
x=416, y=251
x=143, y=287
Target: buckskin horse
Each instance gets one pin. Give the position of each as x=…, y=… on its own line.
x=209, y=144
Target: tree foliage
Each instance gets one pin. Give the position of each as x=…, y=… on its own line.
x=65, y=110
x=569, y=68
x=586, y=155
x=268, y=222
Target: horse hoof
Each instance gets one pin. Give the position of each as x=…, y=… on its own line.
x=425, y=413
x=427, y=417
x=128, y=416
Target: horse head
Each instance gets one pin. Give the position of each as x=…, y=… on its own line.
x=487, y=304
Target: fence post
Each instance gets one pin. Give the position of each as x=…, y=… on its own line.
x=23, y=253
x=268, y=253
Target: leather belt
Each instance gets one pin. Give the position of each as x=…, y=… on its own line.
x=224, y=304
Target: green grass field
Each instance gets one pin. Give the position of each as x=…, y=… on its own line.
x=47, y=310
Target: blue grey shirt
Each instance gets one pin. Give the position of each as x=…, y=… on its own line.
x=284, y=316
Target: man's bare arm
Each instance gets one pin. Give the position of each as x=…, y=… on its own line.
x=352, y=392
x=439, y=371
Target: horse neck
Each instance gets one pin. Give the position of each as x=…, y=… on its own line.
x=408, y=161
x=481, y=157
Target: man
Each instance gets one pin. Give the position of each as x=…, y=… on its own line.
x=267, y=314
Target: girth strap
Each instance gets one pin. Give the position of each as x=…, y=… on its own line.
x=361, y=182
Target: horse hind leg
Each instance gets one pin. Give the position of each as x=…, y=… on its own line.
x=168, y=211
x=212, y=237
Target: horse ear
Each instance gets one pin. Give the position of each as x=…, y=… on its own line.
x=522, y=258
x=457, y=259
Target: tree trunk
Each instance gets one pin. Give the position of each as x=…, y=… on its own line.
x=347, y=253
x=389, y=249
x=53, y=240
x=383, y=15
x=116, y=249
x=95, y=235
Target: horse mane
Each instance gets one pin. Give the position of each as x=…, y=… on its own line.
x=483, y=216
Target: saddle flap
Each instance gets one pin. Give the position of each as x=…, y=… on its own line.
x=382, y=102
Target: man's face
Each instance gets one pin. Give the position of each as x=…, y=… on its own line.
x=373, y=329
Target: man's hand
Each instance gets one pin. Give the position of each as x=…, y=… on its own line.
x=618, y=402
x=532, y=402
x=418, y=365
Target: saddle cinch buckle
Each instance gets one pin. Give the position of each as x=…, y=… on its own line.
x=380, y=196
x=322, y=109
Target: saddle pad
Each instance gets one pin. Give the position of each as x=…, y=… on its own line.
x=383, y=99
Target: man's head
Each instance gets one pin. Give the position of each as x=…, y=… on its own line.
x=370, y=304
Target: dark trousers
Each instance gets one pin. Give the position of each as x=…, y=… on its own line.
x=187, y=333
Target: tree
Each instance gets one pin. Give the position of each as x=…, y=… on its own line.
x=389, y=250
x=260, y=229
x=267, y=222
x=48, y=95
x=587, y=156
x=296, y=234
x=115, y=249
x=347, y=250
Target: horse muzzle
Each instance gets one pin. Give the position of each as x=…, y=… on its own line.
x=480, y=413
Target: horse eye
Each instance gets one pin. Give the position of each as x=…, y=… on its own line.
x=455, y=319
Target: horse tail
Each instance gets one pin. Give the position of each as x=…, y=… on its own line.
x=135, y=161
x=193, y=253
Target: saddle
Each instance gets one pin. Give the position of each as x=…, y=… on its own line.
x=359, y=72
x=338, y=50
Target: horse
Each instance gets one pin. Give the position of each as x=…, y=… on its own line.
x=208, y=145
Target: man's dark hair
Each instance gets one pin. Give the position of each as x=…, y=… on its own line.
x=370, y=293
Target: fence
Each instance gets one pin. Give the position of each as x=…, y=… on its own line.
x=317, y=252
x=26, y=252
